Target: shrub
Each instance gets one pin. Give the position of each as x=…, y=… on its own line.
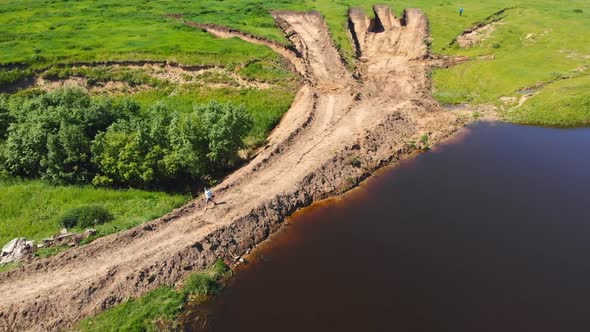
x=166, y=148
x=226, y=125
x=5, y=117
x=50, y=135
x=201, y=284
x=86, y=216
x=424, y=139
x=206, y=283
x=67, y=137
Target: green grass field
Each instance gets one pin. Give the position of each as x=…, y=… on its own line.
x=32, y=209
x=558, y=104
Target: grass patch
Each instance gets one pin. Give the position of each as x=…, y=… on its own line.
x=157, y=309
x=563, y=103
x=51, y=251
x=11, y=76
x=9, y=266
x=32, y=209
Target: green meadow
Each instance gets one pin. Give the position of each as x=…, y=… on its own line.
x=541, y=44
x=32, y=208
x=40, y=33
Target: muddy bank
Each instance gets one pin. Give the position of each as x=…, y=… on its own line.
x=340, y=128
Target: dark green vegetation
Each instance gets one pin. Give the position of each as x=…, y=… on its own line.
x=163, y=148
x=157, y=310
x=86, y=216
x=66, y=137
x=265, y=106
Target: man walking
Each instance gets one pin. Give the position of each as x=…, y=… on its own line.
x=208, y=197
x=460, y=11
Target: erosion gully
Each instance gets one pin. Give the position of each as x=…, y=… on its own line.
x=485, y=233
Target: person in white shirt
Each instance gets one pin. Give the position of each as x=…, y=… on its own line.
x=208, y=197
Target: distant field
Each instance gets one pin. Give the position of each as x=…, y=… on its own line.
x=45, y=32
x=50, y=31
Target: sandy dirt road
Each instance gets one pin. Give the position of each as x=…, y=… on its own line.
x=372, y=116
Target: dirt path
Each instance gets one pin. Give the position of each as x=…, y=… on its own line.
x=335, y=118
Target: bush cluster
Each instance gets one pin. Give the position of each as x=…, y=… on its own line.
x=12, y=76
x=86, y=216
x=67, y=137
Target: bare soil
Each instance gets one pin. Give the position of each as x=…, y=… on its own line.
x=212, y=77
x=372, y=117
x=476, y=35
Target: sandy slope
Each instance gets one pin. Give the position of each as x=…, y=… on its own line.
x=336, y=117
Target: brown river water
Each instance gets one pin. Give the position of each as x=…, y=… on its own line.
x=490, y=232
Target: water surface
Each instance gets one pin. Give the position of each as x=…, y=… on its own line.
x=489, y=233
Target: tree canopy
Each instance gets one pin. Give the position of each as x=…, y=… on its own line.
x=68, y=137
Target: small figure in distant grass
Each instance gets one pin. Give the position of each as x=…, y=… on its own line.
x=460, y=11
x=208, y=197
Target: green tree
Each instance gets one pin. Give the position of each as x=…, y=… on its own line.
x=133, y=152
x=225, y=125
x=5, y=117
x=168, y=150
x=51, y=134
